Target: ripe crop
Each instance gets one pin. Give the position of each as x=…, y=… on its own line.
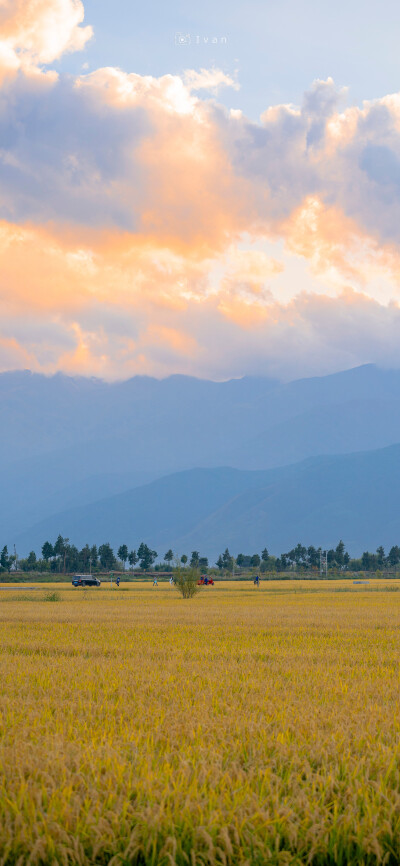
x=242, y=726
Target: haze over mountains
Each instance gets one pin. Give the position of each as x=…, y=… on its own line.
x=85, y=458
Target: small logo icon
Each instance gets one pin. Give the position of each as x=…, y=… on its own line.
x=182, y=39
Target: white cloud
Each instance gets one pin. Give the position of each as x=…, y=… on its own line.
x=209, y=79
x=37, y=32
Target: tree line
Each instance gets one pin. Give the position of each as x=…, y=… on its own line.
x=64, y=557
x=303, y=559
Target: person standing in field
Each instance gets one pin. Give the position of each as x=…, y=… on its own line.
x=257, y=580
x=155, y=582
x=171, y=581
x=118, y=580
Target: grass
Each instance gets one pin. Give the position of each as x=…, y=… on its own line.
x=243, y=726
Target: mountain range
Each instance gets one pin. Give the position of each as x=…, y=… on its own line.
x=194, y=464
x=317, y=501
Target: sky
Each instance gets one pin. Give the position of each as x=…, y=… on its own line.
x=201, y=188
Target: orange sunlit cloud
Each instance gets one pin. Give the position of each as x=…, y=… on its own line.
x=35, y=32
x=146, y=229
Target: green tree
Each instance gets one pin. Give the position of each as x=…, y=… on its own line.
x=331, y=558
x=339, y=554
x=84, y=558
x=227, y=560
x=31, y=561
x=72, y=558
x=146, y=556
x=5, y=563
x=47, y=551
x=132, y=558
x=107, y=558
x=59, y=546
x=369, y=561
x=203, y=563
x=60, y=551
x=255, y=561
x=184, y=559
x=243, y=560
x=313, y=557
x=380, y=555
x=194, y=559
x=299, y=555
x=265, y=555
x=169, y=556
x=66, y=550
x=283, y=562
x=123, y=553
x=94, y=556
x=394, y=556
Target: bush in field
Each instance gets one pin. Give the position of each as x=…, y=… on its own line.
x=186, y=581
x=52, y=596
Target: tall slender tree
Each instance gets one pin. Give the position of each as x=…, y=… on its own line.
x=123, y=553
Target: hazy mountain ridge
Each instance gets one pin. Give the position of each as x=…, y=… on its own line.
x=74, y=441
x=180, y=422
x=317, y=501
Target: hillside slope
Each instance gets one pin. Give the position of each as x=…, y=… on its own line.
x=67, y=442
x=317, y=501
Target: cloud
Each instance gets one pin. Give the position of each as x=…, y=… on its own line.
x=37, y=32
x=346, y=157
x=113, y=320
x=146, y=229
x=146, y=155
x=209, y=79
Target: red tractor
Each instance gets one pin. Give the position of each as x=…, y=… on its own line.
x=205, y=581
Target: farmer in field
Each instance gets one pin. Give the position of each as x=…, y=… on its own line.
x=257, y=580
x=171, y=581
x=118, y=580
x=155, y=582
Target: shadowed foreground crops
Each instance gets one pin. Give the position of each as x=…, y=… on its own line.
x=242, y=726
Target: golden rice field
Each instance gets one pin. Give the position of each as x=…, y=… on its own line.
x=243, y=726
